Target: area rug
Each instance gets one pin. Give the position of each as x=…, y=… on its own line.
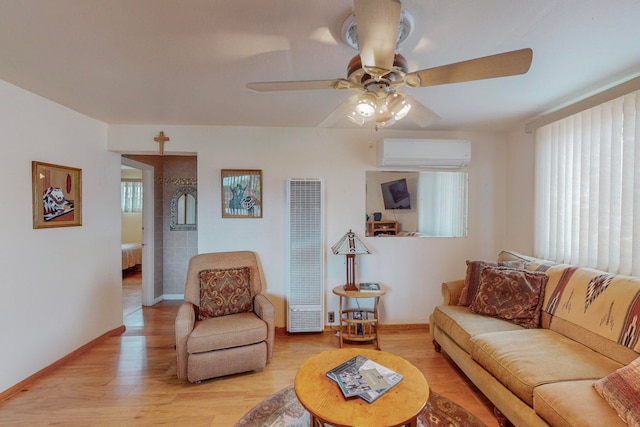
x=283, y=409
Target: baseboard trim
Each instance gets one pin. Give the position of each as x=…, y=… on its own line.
x=399, y=327
x=48, y=369
x=404, y=327
x=172, y=297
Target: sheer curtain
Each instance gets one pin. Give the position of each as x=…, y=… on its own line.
x=131, y=196
x=587, y=180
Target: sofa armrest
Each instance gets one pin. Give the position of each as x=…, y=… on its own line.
x=185, y=321
x=451, y=291
x=267, y=312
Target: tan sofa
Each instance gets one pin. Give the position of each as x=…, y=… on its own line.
x=544, y=376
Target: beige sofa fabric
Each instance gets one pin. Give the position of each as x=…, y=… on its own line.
x=574, y=403
x=523, y=360
x=545, y=376
x=462, y=325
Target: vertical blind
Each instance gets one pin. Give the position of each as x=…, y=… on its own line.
x=131, y=196
x=443, y=204
x=587, y=188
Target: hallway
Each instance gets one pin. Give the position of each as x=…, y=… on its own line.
x=131, y=290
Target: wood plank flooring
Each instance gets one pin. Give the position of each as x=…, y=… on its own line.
x=130, y=379
x=131, y=290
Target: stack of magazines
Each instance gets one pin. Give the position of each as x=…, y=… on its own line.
x=362, y=377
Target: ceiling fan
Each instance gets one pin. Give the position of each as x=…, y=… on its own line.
x=378, y=71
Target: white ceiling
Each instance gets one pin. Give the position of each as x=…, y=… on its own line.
x=187, y=61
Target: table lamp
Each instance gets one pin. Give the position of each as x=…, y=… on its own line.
x=350, y=246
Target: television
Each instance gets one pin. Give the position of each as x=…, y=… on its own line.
x=395, y=194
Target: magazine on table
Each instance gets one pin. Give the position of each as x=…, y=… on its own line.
x=362, y=377
x=369, y=287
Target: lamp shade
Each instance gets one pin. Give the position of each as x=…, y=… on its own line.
x=350, y=244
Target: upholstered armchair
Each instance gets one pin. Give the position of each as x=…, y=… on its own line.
x=225, y=325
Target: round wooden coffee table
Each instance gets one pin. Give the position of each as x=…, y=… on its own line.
x=322, y=397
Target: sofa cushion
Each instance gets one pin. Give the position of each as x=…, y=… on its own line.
x=224, y=291
x=472, y=278
x=531, y=263
x=525, y=359
x=460, y=324
x=557, y=404
x=222, y=332
x=621, y=390
x=512, y=295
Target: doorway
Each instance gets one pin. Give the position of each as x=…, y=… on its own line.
x=146, y=269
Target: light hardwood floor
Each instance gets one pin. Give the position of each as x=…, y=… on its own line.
x=130, y=379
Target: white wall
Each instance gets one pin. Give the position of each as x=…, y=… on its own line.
x=410, y=268
x=60, y=288
x=520, y=191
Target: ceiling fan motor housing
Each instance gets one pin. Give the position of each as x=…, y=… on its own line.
x=356, y=72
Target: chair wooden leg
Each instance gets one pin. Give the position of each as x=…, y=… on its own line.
x=436, y=346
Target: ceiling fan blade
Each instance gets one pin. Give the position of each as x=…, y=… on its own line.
x=377, y=25
x=342, y=116
x=501, y=65
x=299, y=85
x=419, y=113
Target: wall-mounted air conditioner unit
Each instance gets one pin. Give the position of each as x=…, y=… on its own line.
x=424, y=153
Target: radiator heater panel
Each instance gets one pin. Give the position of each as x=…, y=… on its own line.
x=305, y=255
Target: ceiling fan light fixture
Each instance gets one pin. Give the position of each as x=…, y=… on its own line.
x=385, y=123
x=356, y=119
x=384, y=117
x=406, y=107
x=398, y=105
x=366, y=106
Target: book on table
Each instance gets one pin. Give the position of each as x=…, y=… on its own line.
x=363, y=377
x=369, y=287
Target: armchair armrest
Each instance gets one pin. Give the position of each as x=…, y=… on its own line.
x=451, y=291
x=185, y=321
x=267, y=312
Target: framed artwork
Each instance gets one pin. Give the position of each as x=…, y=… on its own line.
x=241, y=193
x=57, y=195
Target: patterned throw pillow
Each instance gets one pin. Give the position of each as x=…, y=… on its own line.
x=621, y=390
x=225, y=291
x=472, y=279
x=513, y=295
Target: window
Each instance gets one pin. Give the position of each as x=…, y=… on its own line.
x=443, y=197
x=131, y=196
x=587, y=179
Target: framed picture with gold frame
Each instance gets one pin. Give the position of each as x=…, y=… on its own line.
x=241, y=193
x=57, y=195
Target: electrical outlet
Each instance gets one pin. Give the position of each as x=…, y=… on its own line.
x=332, y=317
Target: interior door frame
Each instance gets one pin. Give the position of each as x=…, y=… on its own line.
x=148, y=247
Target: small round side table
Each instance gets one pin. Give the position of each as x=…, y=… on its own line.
x=359, y=324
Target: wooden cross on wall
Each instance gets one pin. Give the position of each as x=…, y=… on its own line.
x=161, y=139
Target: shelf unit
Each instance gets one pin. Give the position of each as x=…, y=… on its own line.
x=358, y=324
x=375, y=228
